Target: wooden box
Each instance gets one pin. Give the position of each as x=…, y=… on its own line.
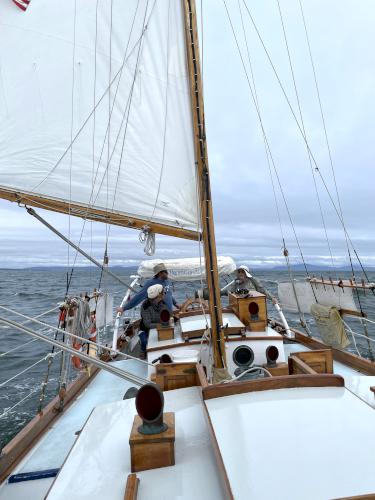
x=155, y=450
x=166, y=332
x=278, y=370
x=171, y=376
x=251, y=310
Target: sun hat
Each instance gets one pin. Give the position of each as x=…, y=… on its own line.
x=154, y=291
x=245, y=269
x=158, y=268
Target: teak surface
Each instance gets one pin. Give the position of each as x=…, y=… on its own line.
x=131, y=489
x=171, y=376
x=240, y=306
x=272, y=383
x=321, y=361
x=152, y=451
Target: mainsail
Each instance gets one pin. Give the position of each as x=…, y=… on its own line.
x=95, y=111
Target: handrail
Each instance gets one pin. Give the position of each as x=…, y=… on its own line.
x=118, y=315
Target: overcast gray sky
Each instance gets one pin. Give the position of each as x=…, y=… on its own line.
x=342, y=38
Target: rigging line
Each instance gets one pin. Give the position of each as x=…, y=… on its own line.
x=45, y=358
x=305, y=134
x=145, y=25
x=64, y=332
x=76, y=247
x=130, y=100
x=19, y=402
x=18, y=347
x=320, y=105
x=119, y=72
x=268, y=145
x=91, y=200
x=72, y=123
x=165, y=117
x=127, y=113
x=85, y=357
x=297, y=123
x=124, y=113
x=109, y=123
x=326, y=135
x=257, y=104
x=94, y=115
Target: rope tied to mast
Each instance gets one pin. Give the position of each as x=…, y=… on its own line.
x=147, y=237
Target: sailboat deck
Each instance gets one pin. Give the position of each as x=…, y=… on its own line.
x=51, y=451
x=102, y=451
x=321, y=438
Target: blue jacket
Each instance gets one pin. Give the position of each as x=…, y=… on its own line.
x=142, y=294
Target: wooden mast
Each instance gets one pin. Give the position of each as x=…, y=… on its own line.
x=208, y=232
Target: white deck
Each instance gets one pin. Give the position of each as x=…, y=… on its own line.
x=102, y=456
x=199, y=322
x=51, y=450
x=293, y=444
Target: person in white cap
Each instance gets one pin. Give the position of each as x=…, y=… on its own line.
x=245, y=281
x=160, y=278
x=150, y=313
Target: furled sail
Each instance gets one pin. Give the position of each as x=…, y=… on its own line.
x=95, y=110
x=190, y=269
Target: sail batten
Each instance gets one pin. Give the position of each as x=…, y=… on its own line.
x=129, y=158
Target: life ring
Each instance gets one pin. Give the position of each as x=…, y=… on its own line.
x=76, y=361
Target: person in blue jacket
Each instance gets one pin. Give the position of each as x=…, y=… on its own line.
x=160, y=278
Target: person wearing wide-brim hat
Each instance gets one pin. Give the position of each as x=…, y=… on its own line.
x=160, y=278
x=245, y=281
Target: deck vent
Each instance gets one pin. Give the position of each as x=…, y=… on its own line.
x=165, y=316
x=149, y=403
x=243, y=356
x=272, y=355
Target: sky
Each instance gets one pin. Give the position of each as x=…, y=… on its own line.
x=246, y=222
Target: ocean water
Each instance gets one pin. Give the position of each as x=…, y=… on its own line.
x=32, y=292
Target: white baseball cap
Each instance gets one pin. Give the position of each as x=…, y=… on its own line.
x=154, y=291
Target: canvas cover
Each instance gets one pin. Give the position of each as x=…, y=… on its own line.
x=192, y=269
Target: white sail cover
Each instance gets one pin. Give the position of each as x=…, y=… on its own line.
x=135, y=154
x=191, y=269
x=326, y=295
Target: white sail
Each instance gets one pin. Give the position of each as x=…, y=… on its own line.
x=146, y=169
x=309, y=294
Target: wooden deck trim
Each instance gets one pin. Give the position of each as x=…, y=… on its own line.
x=272, y=383
x=219, y=459
x=21, y=444
x=295, y=362
x=131, y=489
x=370, y=496
x=356, y=362
x=201, y=376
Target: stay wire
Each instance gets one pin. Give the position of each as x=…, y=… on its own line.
x=119, y=73
x=305, y=135
x=299, y=126
x=268, y=145
x=258, y=108
x=165, y=117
